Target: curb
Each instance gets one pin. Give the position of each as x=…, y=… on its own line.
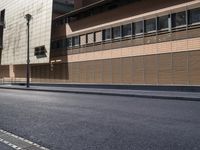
x=108, y=94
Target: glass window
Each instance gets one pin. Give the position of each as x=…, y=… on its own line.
x=2, y=15
x=116, y=32
x=107, y=34
x=127, y=30
x=69, y=42
x=194, y=16
x=179, y=19
x=138, y=28
x=64, y=43
x=150, y=25
x=163, y=22
x=76, y=41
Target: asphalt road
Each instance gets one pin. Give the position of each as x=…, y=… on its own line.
x=62, y=121
x=5, y=147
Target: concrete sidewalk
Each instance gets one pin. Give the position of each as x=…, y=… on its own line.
x=175, y=95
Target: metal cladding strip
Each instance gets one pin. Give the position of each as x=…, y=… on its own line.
x=7, y=142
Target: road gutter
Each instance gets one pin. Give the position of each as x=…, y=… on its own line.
x=154, y=96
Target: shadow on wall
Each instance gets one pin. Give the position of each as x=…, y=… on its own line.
x=136, y=8
x=50, y=72
x=54, y=70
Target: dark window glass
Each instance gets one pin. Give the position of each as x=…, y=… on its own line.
x=138, y=28
x=64, y=43
x=116, y=32
x=194, y=16
x=40, y=51
x=69, y=42
x=163, y=22
x=76, y=41
x=106, y=34
x=2, y=25
x=127, y=30
x=59, y=44
x=2, y=15
x=53, y=44
x=150, y=25
x=179, y=19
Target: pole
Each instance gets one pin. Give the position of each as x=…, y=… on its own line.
x=28, y=59
x=28, y=18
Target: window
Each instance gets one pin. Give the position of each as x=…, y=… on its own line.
x=150, y=25
x=179, y=19
x=82, y=39
x=90, y=38
x=64, y=43
x=2, y=25
x=76, y=41
x=116, y=32
x=40, y=51
x=107, y=34
x=194, y=16
x=127, y=30
x=163, y=22
x=2, y=16
x=69, y=42
x=1, y=37
x=59, y=44
x=98, y=36
x=138, y=28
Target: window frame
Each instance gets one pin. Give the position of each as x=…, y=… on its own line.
x=142, y=27
x=189, y=16
x=74, y=41
x=104, y=36
x=95, y=36
x=71, y=42
x=168, y=21
x=145, y=26
x=122, y=30
x=87, y=38
x=174, y=19
x=83, y=35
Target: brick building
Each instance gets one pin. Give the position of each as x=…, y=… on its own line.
x=124, y=42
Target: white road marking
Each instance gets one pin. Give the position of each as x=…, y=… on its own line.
x=11, y=144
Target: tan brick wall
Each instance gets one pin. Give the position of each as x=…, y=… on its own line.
x=142, y=50
x=179, y=68
x=4, y=71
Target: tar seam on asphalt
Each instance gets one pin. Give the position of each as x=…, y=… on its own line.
x=18, y=143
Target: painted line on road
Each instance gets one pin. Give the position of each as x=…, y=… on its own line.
x=18, y=143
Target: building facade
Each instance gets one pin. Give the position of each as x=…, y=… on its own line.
x=13, y=33
x=125, y=42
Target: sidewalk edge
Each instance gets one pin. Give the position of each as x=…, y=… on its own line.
x=108, y=94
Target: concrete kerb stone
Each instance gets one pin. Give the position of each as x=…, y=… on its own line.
x=106, y=93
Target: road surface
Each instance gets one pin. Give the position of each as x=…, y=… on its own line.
x=60, y=121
